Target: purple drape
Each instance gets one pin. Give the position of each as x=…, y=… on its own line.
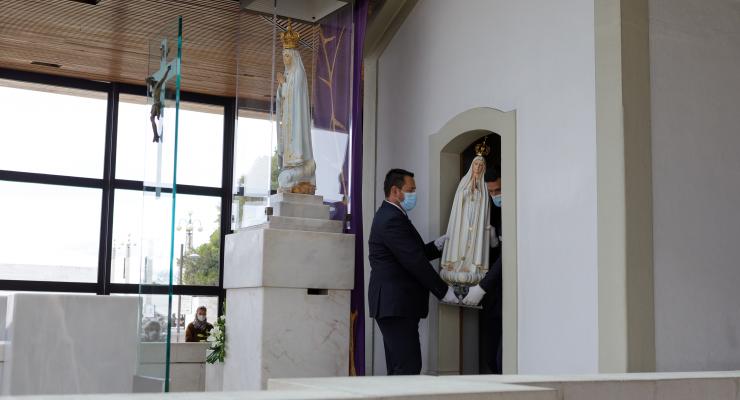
x=338, y=108
x=358, y=295
x=332, y=94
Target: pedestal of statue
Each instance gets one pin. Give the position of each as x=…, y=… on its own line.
x=288, y=285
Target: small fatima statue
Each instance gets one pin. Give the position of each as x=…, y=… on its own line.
x=465, y=255
x=295, y=153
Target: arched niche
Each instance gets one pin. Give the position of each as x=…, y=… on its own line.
x=444, y=160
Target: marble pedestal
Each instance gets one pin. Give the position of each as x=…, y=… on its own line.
x=288, y=285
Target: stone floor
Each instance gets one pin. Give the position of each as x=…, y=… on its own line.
x=648, y=386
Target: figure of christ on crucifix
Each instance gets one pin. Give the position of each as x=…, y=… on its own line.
x=155, y=86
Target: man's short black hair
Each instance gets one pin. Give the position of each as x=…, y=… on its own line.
x=395, y=177
x=492, y=173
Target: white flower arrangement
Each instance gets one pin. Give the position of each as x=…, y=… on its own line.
x=217, y=339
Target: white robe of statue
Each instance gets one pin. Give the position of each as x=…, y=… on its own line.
x=465, y=255
x=294, y=125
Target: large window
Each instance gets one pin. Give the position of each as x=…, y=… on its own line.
x=201, y=138
x=197, y=240
x=72, y=205
x=49, y=232
x=52, y=130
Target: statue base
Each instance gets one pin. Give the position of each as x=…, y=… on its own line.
x=461, y=305
x=300, y=179
x=304, y=188
x=460, y=292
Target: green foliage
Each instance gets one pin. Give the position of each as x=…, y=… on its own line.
x=201, y=267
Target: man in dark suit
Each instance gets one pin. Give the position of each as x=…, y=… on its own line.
x=488, y=291
x=401, y=276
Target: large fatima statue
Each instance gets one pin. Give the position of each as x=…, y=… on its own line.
x=465, y=255
x=295, y=153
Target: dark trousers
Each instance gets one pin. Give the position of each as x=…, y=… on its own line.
x=489, y=339
x=402, y=347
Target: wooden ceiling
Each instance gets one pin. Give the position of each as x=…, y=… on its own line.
x=110, y=42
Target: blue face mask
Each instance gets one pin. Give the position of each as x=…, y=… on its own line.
x=496, y=200
x=409, y=201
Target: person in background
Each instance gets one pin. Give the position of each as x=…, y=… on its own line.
x=197, y=331
x=152, y=331
x=488, y=292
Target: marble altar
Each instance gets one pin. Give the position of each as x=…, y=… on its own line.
x=70, y=344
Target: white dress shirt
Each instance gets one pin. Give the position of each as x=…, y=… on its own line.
x=397, y=206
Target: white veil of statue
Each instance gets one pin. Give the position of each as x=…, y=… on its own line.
x=294, y=114
x=465, y=255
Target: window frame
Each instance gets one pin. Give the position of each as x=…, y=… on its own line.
x=108, y=184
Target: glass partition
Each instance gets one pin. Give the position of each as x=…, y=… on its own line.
x=254, y=147
x=158, y=207
x=278, y=48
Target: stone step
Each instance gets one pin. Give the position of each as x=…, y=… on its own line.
x=303, y=224
x=419, y=387
x=297, y=198
x=300, y=210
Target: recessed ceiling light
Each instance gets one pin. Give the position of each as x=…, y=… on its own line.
x=90, y=2
x=46, y=64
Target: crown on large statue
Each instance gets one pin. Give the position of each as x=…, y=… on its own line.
x=290, y=37
x=482, y=149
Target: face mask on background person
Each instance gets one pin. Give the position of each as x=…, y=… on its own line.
x=496, y=200
x=409, y=201
x=201, y=317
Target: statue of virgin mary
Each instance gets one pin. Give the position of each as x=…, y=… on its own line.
x=293, y=113
x=465, y=255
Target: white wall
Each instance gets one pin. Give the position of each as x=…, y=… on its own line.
x=695, y=68
x=537, y=57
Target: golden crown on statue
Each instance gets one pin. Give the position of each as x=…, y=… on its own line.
x=482, y=149
x=290, y=37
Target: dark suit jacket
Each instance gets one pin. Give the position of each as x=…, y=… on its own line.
x=492, y=282
x=400, y=276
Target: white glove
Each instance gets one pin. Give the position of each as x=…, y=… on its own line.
x=475, y=295
x=450, y=296
x=440, y=242
x=494, y=237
